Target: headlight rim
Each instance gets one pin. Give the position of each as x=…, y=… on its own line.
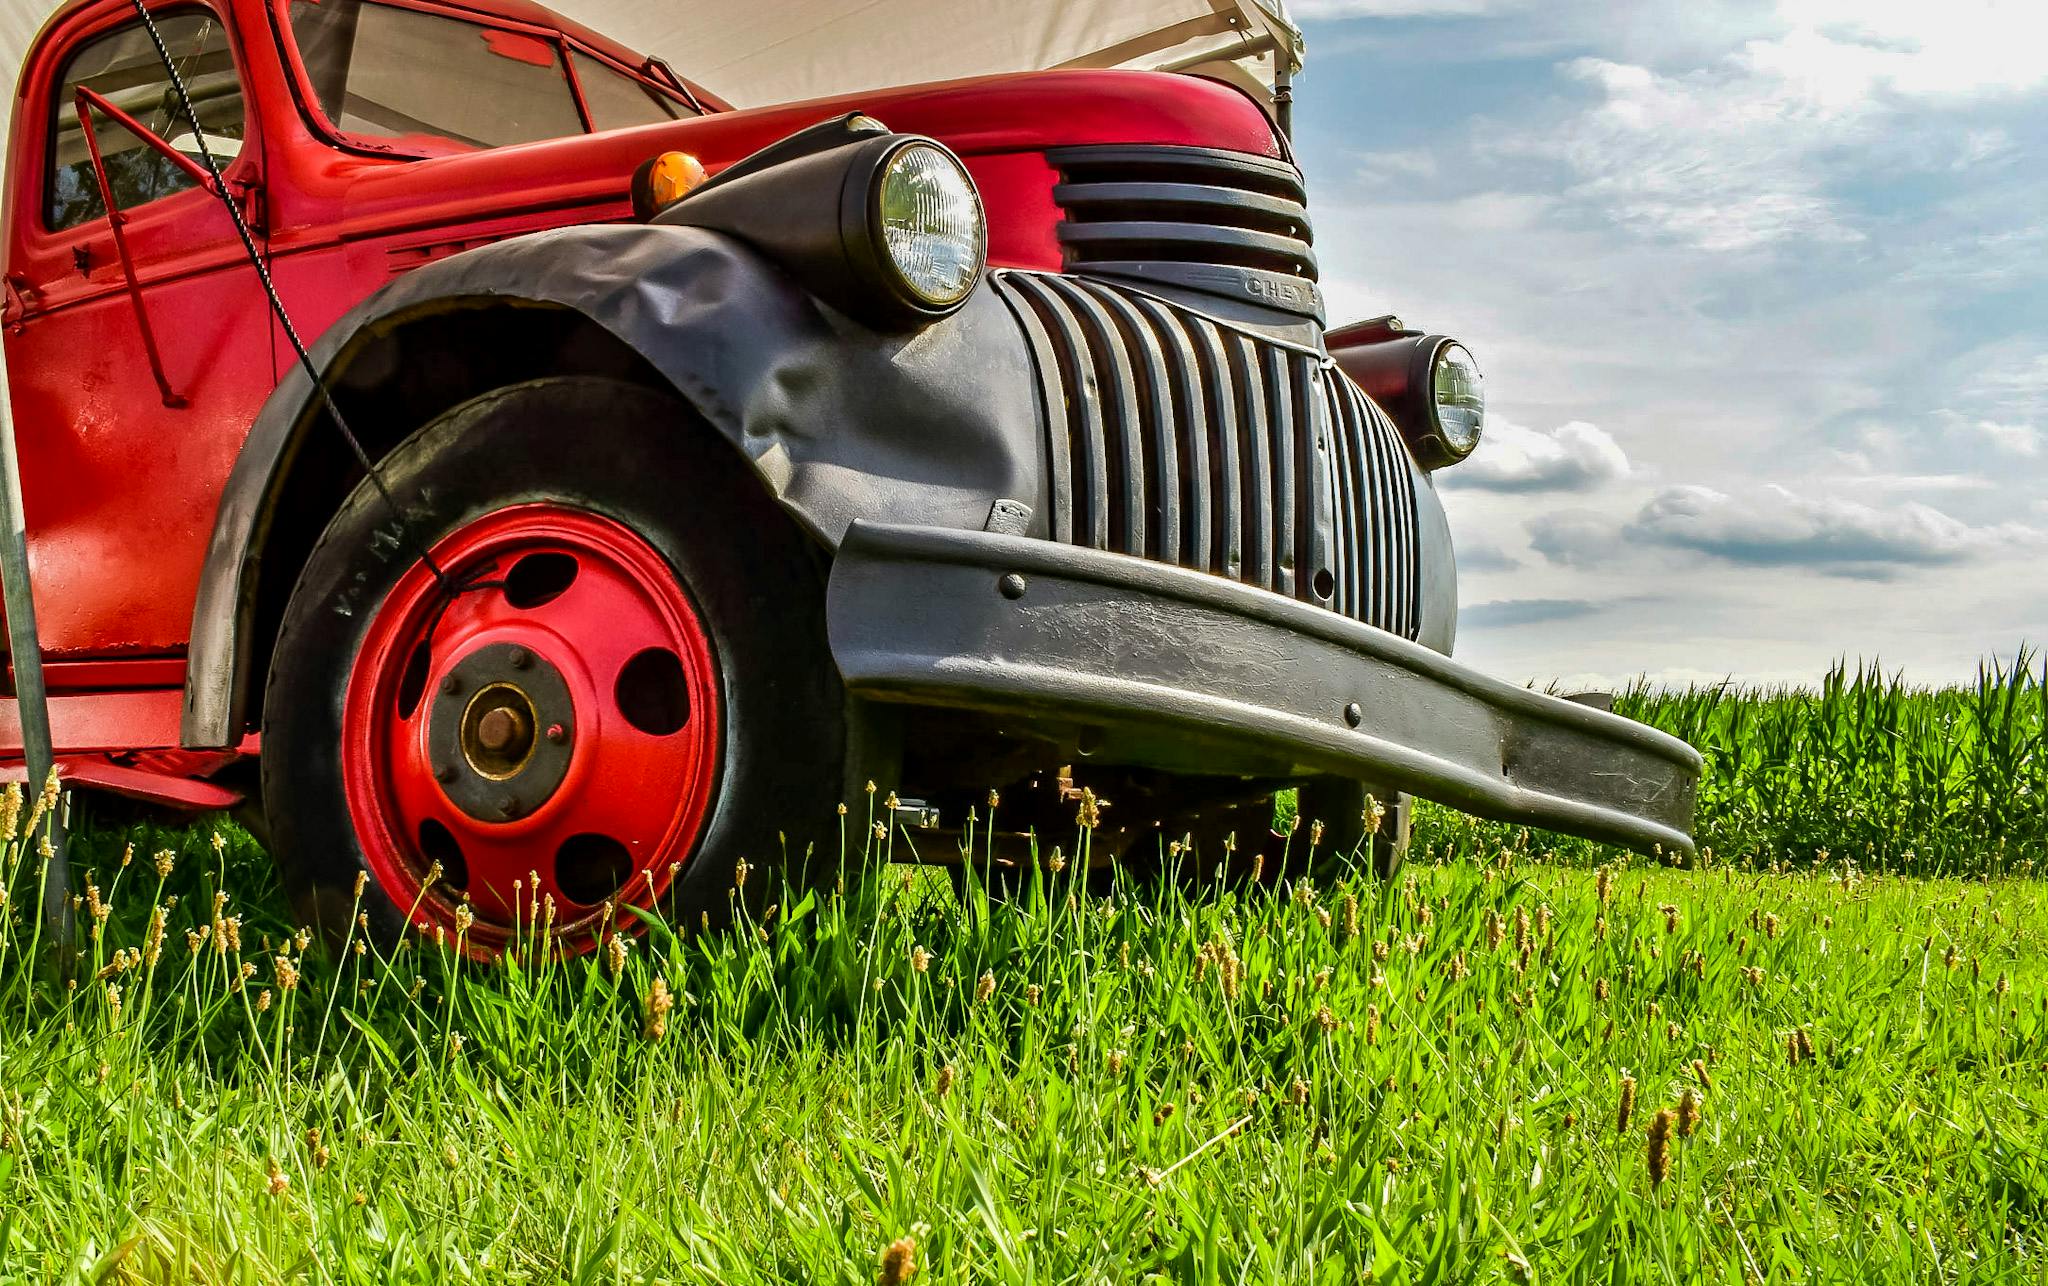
x=867, y=235
x=1433, y=446
x=1439, y=352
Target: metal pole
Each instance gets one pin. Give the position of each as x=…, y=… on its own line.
x=31, y=702
x=1283, y=90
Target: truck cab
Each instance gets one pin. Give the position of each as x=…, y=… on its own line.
x=585, y=481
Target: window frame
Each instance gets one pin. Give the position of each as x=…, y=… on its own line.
x=234, y=171
x=692, y=102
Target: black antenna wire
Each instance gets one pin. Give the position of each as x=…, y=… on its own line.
x=291, y=332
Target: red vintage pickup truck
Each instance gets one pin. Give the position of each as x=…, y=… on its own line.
x=710, y=460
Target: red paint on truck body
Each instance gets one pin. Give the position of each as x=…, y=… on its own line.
x=121, y=489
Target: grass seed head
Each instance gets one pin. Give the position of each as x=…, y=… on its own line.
x=899, y=1262
x=1688, y=1112
x=985, y=987
x=1627, y=1107
x=659, y=1002
x=1659, y=1149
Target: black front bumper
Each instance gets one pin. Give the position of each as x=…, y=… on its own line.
x=1168, y=668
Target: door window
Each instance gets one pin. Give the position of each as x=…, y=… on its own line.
x=617, y=101
x=123, y=67
x=394, y=73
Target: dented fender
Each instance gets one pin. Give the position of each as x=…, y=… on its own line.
x=931, y=427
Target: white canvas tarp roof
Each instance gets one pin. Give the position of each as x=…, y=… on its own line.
x=777, y=50
x=765, y=51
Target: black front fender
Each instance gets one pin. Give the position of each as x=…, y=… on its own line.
x=931, y=427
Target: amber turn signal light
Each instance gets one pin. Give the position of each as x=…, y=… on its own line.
x=663, y=180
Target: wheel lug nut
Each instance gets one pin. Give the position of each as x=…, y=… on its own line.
x=507, y=806
x=444, y=772
x=519, y=657
x=450, y=685
x=557, y=733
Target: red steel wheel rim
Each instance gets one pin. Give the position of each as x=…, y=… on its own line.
x=549, y=736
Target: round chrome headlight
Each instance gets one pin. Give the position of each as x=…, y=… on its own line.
x=1459, y=391
x=933, y=231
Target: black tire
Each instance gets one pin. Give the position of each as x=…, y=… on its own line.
x=639, y=457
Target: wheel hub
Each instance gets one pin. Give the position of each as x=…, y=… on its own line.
x=482, y=733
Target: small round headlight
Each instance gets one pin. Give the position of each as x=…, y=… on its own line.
x=1459, y=391
x=932, y=227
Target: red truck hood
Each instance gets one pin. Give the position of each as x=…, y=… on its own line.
x=998, y=123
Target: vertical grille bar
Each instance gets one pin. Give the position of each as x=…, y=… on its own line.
x=1344, y=450
x=1192, y=410
x=1123, y=438
x=1059, y=457
x=1225, y=462
x=1179, y=438
x=1156, y=431
x=1088, y=484
x=1257, y=456
x=1283, y=429
x=1316, y=560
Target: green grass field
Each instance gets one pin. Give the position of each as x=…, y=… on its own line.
x=1510, y=1064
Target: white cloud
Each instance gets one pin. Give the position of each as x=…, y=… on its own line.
x=1854, y=48
x=1740, y=153
x=1575, y=456
x=1892, y=482
x=1775, y=527
x=1716, y=158
x=2013, y=439
x=1576, y=538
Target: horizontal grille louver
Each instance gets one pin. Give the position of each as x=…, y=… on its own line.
x=1184, y=441
x=1153, y=205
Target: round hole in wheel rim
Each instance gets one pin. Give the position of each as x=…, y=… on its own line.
x=653, y=692
x=437, y=845
x=645, y=794
x=590, y=868
x=539, y=579
x=412, y=684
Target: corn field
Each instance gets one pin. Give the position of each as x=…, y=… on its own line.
x=1872, y=769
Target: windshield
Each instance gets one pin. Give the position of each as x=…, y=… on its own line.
x=425, y=80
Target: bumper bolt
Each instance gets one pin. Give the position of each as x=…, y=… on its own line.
x=557, y=733
x=450, y=685
x=1354, y=714
x=1011, y=586
x=519, y=658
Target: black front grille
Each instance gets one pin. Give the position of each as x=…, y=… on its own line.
x=1184, y=440
x=1131, y=210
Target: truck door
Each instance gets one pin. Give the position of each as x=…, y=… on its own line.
x=134, y=383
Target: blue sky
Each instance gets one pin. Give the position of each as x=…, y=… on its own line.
x=1761, y=293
